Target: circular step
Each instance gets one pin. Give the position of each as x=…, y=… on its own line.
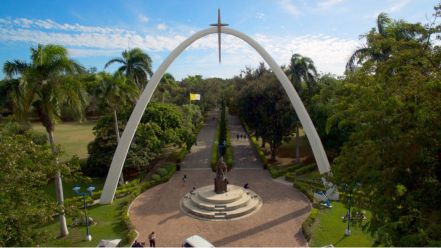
x=205, y=204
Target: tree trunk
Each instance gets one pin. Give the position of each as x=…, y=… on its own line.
x=273, y=149
x=59, y=189
x=115, y=119
x=297, y=144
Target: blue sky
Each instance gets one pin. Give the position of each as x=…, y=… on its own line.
x=328, y=31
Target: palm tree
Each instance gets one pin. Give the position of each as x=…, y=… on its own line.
x=113, y=92
x=44, y=85
x=378, y=47
x=301, y=70
x=369, y=53
x=136, y=65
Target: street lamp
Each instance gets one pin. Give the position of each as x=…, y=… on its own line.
x=350, y=190
x=348, y=230
x=91, y=188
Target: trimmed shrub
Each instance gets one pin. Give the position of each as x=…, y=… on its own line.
x=305, y=169
x=306, y=226
x=162, y=172
x=413, y=240
x=214, y=150
x=156, y=177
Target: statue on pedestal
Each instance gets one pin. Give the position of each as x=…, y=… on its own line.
x=220, y=182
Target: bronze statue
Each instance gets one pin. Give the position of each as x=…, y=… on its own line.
x=220, y=182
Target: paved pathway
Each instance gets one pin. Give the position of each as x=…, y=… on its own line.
x=277, y=223
x=243, y=152
x=200, y=153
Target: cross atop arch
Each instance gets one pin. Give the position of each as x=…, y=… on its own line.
x=219, y=26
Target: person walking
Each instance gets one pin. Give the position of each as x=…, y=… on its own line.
x=152, y=239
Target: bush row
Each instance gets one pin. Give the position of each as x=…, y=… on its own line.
x=215, y=150
x=229, y=149
x=228, y=157
x=129, y=191
x=306, y=226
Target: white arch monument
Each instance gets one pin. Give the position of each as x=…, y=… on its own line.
x=127, y=136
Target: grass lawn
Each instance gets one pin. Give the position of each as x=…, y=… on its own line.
x=72, y=136
x=288, y=149
x=67, y=187
x=329, y=229
x=109, y=226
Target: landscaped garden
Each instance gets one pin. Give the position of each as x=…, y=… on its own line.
x=378, y=121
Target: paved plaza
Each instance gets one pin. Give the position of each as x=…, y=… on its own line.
x=277, y=223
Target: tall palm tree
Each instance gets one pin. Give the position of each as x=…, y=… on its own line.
x=46, y=83
x=369, y=53
x=378, y=40
x=302, y=71
x=113, y=92
x=136, y=65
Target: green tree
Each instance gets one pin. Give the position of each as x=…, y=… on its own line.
x=265, y=107
x=393, y=109
x=166, y=86
x=302, y=71
x=113, y=93
x=378, y=41
x=136, y=65
x=160, y=125
x=46, y=83
x=26, y=166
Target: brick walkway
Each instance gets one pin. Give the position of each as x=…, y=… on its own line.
x=277, y=223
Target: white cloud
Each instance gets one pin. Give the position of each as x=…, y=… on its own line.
x=161, y=26
x=81, y=53
x=51, y=25
x=328, y=52
x=260, y=16
x=143, y=18
x=289, y=6
x=324, y=4
x=398, y=5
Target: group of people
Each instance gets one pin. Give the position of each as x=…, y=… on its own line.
x=241, y=136
x=152, y=241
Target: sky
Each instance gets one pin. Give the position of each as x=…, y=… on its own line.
x=327, y=31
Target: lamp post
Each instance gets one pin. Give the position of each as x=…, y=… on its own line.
x=350, y=190
x=348, y=230
x=91, y=188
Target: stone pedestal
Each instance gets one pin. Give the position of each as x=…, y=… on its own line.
x=220, y=185
x=203, y=203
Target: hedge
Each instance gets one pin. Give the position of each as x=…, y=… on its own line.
x=306, y=226
x=228, y=158
x=129, y=190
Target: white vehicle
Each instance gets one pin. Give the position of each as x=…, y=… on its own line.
x=196, y=241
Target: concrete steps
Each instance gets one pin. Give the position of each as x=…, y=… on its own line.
x=205, y=204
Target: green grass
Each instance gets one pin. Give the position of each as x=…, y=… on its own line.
x=67, y=187
x=329, y=229
x=72, y=136
x=288, y=149
x=109, y=226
